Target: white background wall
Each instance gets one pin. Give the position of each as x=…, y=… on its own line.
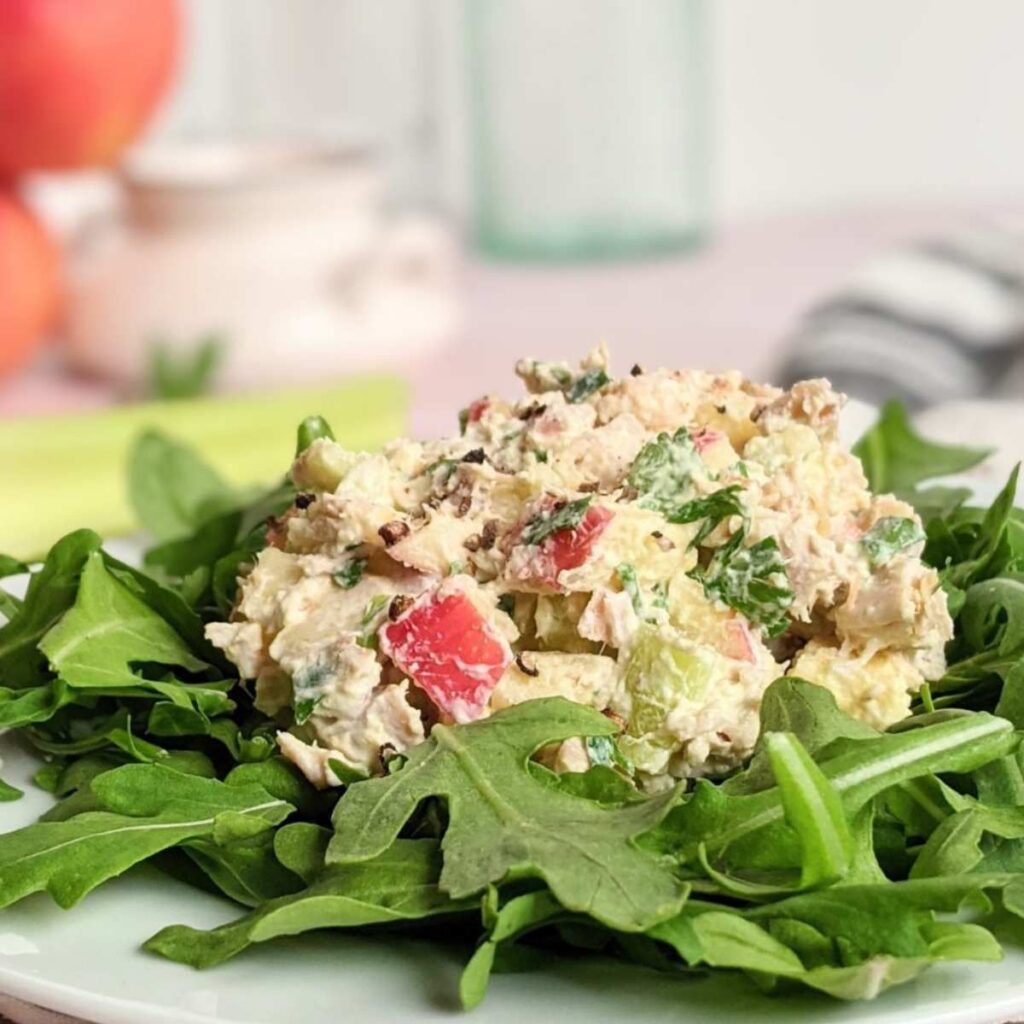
x=816, y=103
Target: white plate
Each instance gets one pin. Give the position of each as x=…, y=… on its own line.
x=87, y=962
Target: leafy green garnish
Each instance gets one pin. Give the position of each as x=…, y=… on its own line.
x=714, y=508
x=171, y=489
x=351, y=573
x=897, y=459
x=662, y=473
x=398, y=885
x=503, y=821
x=146, y=809
x=308, y=685
x=108, y=632
x=586, y=384
x=564, y=516
x=752, y=580
x=888, y=537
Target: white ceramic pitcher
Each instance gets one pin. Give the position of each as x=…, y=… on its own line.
x=284, y=252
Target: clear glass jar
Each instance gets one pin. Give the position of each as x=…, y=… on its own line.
x=589, y=127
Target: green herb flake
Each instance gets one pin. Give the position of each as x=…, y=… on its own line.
x=663, y=471
x=888, y=537
x=308, y=686
x=752, y=580
x=713, y=509
x=565, y=516
x=370, y=621
x=350, y=573
x=586, y=384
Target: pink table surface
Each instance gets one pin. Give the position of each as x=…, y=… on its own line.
x=729, y=304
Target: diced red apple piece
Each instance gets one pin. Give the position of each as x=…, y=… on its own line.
x=569, y=548
x=449, y=650
x=739, y=644
x=705, y=438
x=476, y=410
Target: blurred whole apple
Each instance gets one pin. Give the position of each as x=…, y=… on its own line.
x=79, y=78
x=29, y=281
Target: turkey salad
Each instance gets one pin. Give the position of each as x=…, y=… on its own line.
x=659, y=547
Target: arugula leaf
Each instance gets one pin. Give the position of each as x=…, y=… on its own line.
x=503, y=822
x=751, y=580
x=586, y=384
x=888, y=537
x=171, y=488
x=505, y=924
x=301, y=847
x=148, y=808
x=564, y=516
x=11, y=566
x=400, y=884
x=245, y=869
x=991, y=641
x=807, y=711
x=813, y=809
x=108, y=633
x=897, y=459
x=663, y=471
x=986, y=545
x=51, y=591
x=9, y=605
x=720, y=938
x=731, y=825
x=211, y=540
x=9, y=793
x=19, y=708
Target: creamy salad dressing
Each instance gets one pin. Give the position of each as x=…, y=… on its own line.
x=660, y=547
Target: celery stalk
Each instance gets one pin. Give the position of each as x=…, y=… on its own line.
x=58, y=473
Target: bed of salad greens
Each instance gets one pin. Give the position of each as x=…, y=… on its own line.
x=839, y=858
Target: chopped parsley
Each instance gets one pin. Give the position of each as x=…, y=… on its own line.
x=888, y=537
x=446, y=466
x=566, y=516
x=308, y=687
x=642, y=605
x=585, y=385
x=370, y=620
x=752, y=580
x=662, y=473
x=350, y=573
x=713, y=509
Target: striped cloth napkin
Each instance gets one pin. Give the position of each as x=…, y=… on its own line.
x=938, y=321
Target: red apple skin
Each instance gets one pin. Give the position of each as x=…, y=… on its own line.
x=79, y=78
x=29, y=282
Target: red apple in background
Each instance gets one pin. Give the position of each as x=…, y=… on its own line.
x=29, y=281
x=79, y=78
